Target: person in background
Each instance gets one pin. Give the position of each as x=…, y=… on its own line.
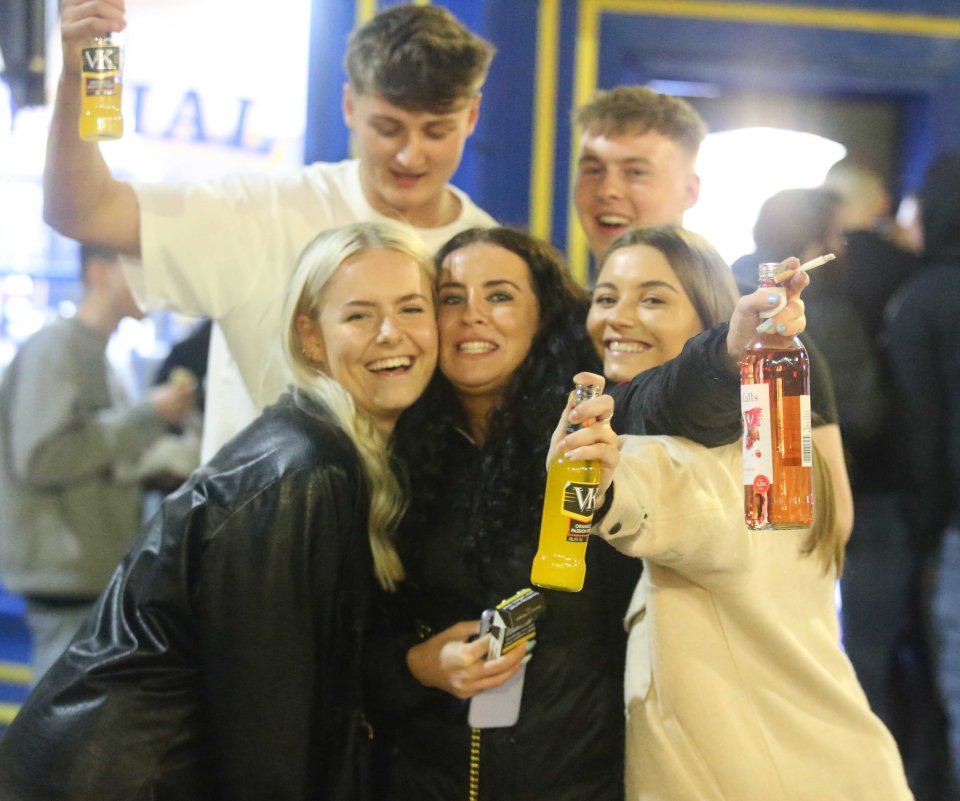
x=923, y=346
x=511, y=338
x=875, y=265
x=171, y=460
x=636, y=168
x=222, y=661
x=736, y=684
x=190, y=354
x=892, y=657
x=411, y=101
x=70, y=440
x=636, y=163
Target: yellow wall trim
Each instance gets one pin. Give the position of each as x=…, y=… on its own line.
x=803, y=16
x=544, y=119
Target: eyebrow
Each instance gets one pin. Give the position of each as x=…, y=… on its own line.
x=442, y=120
x=368, y=303
x=642, y=285
x=590, y=157
x=491, y=283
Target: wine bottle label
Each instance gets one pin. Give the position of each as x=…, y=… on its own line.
x=757, y=437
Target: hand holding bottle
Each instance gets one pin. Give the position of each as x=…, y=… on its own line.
x=84, y=20
x=580, y=461
x=592, y=439
x=747, y=315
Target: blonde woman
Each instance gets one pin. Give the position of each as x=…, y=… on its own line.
x=221, y=661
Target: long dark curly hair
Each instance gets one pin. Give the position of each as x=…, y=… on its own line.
x=512, y=475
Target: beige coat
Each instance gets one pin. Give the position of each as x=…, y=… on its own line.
x=736, y=685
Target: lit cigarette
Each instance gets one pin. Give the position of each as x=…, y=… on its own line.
x=786, y=275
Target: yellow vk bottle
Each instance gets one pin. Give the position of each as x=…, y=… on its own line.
x=100, y=117
x=568, y=506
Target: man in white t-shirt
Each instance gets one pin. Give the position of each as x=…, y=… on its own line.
x=226, y=248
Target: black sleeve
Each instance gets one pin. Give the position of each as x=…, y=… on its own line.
x=696, y=395
x=210, y=657
x=916, y=362
x=390, y=689
x=118, y=715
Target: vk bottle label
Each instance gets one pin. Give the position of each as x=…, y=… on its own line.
x=101, y=59
x=579, y=501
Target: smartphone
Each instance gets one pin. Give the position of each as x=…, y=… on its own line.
x=500, y=706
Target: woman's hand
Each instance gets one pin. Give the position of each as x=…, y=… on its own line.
x=788, y=322
x=595, y=439
x=451, y=662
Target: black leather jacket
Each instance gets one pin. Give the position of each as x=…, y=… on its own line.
x=221, y=661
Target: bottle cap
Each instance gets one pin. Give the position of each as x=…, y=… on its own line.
x=584, y=392
x=768, y=283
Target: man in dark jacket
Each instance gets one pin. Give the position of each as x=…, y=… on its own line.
x=924, y=355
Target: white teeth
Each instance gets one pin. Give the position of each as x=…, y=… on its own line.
x=627, y=347
x=476, y=347
x=613, y=219
x=390, y=364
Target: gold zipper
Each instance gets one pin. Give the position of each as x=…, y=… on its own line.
x=473, y=792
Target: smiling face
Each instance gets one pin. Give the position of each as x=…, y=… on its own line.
x=488, y=316
x=631, y=180
x=640, y=316
x=408, y=157
x=376, y=334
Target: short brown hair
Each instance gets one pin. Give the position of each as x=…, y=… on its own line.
x=420, y=58
x=637, y=109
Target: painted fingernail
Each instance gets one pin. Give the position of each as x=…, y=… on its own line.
x=765, y=326
x=773, y=300
x=526, y=659
x=781, y=328
x=531, y=644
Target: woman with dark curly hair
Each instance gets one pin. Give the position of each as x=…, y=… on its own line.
x=512, y=336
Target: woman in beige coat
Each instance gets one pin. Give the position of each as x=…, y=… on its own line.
x=737, y=687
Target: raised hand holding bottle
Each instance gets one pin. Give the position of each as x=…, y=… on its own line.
x=777, y=434
x=568, y=506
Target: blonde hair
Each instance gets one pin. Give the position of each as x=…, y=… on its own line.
x=318, y=263
x=824, y=542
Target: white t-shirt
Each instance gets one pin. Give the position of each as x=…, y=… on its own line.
x=226, y=249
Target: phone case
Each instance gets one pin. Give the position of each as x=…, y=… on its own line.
x=498, y=707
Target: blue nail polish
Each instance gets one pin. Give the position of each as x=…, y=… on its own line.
x=773, y=300
x=781, y=328
x=765, y=326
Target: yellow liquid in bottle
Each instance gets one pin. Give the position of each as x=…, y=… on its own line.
x=568, y=506
x=100, y=91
